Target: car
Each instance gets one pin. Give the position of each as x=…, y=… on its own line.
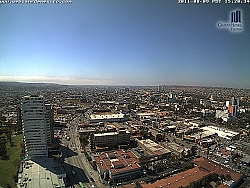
x=73, y=172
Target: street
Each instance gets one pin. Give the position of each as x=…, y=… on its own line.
x=77, y=167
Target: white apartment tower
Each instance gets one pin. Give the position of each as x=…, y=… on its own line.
x=34, y=126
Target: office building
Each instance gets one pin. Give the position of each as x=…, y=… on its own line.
x=101, y=141
x=34, y=126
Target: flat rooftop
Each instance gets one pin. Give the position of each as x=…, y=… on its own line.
x=222, y=132
x=154, y=147
x=106, y=116
x=41, y=172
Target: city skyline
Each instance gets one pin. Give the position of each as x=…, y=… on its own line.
x=124, y=43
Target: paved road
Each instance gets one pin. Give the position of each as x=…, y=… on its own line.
x=76, y=161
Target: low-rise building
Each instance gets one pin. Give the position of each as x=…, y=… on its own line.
x=222, y=132
x=110, y=139
x=154, y=149
x=203, y=168
x=118, y=165
x=107, y=118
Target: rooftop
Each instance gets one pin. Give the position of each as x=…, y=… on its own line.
x=204, y=167
x=42, y=172
x=182, y=179
x=154, y=147
x=222, y=132
x=106, y=116
x=117, y=161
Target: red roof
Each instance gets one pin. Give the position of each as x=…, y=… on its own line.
x=216, y=168
x=181, y=179
x=204, y=167
x=119, y=161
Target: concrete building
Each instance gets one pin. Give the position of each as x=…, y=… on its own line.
x=34, y=126
x=118, y=165
x=221, y=132
x=107, y=118
x=101, y=141
x=224, y=115
x=155, y=150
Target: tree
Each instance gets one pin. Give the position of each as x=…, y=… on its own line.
x=3, y=148
x=193, y=150
x=84, y=140
x=158, y=167
x=189, y=153
x=9, y=135
x=138, y=185
x=144, y=160
x=159, y=137
x=222, y=177
x=228, y=177
x=93, y=164
x=192, y=185
x=187, y=166
x=183, y=154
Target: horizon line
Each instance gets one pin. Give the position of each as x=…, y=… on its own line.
x=103, y=85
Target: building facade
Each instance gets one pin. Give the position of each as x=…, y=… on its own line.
x=110, y=139
x=49, y=118
x=34, y=126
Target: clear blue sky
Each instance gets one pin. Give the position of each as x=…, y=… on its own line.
x=124, y=42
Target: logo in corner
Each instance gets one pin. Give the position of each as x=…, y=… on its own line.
x=235, y=22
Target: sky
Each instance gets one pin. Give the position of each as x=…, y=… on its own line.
x=125, y=42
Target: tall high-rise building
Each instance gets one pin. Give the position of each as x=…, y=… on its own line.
x=34, y=126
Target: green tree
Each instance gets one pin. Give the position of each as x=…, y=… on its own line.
x=84, y=141
x=159, y=137
x=138, y=185
x=187, y=166
x=93, y=164
x=228, y=177
x=9, y=135
x=3, y=148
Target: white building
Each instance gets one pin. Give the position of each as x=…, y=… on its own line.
x=107, y=118
x=34, y=126
x=222, y=132
x=224, y=115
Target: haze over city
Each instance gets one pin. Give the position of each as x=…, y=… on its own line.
x=118, y=42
